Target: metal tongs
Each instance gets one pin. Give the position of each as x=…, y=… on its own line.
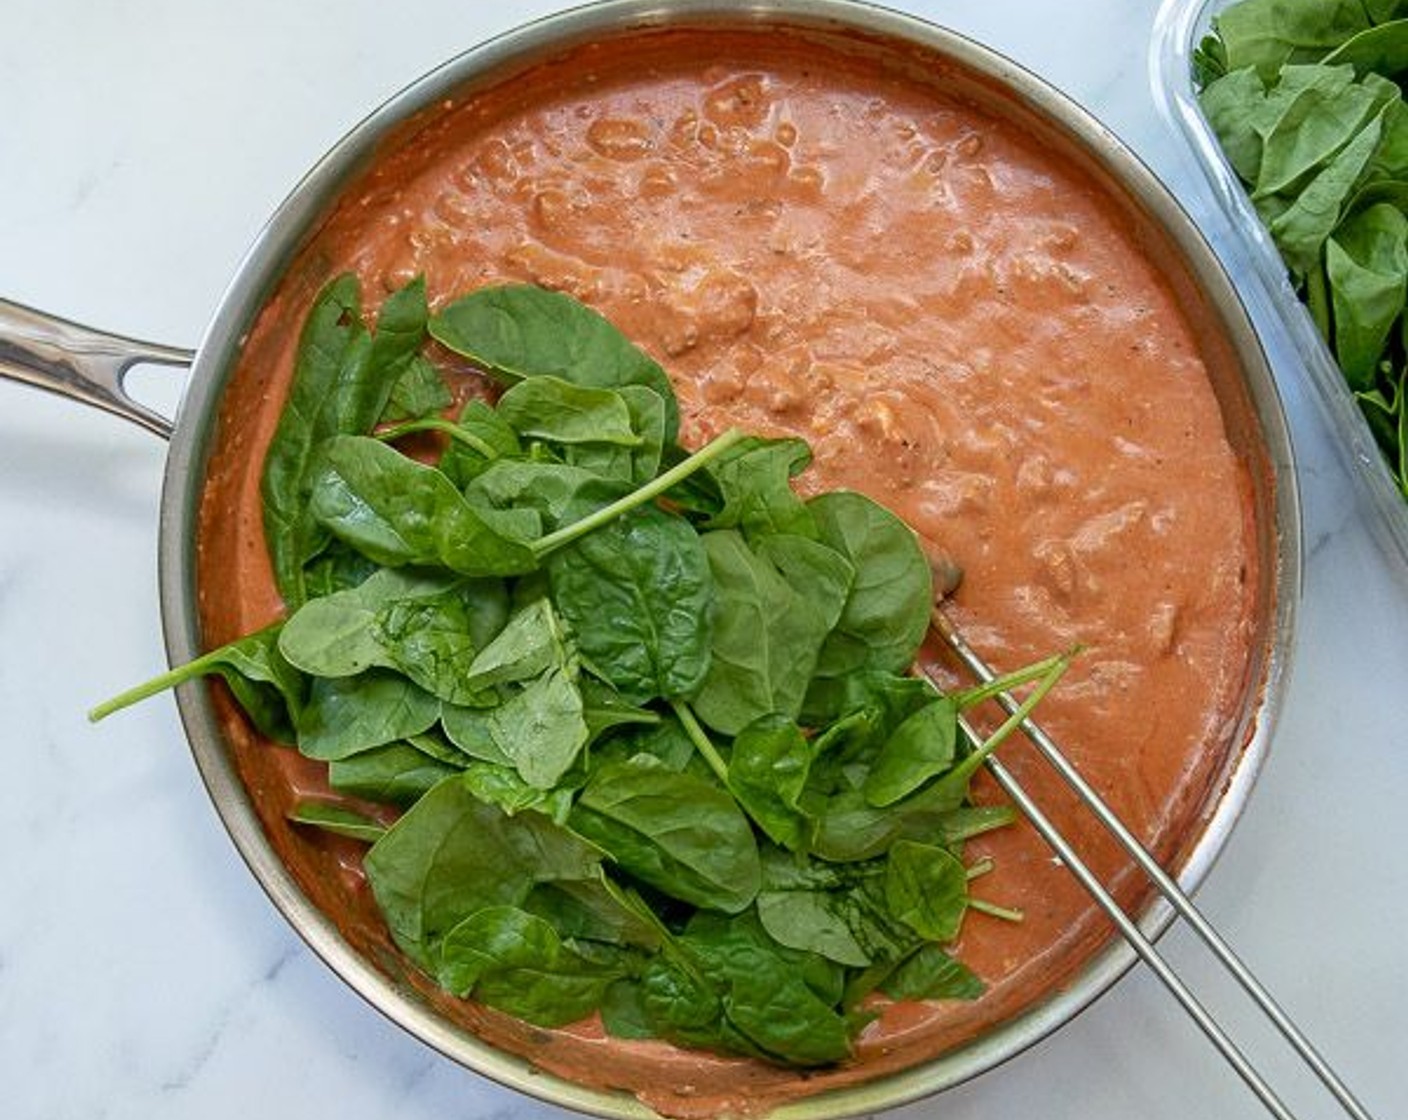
x=1165, y=885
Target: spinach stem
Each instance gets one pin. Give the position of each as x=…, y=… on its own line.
x=1006, y=913
x=988, y=819
x=170, y=679
x=970, y=697
x=982, y=867
x=700, y=738
x=445, y=427
x=968, y=767
x=652, y=489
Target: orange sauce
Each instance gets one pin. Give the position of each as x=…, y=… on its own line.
x=965, y=325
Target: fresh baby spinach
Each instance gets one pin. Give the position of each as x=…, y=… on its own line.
x=451, y=855
x=754, y=484
x=745, y=993
x=515, y=961
x=767, y=634
x=641, y=717
x=344, y=716
x=928, y=973
x=339, y=819
x=886, y=611
x=516, y=332
x=418, y=393
x=530, y=643
x=393, y=774
x=637, y=594
x=423, y=626
x=557, y=411
x=479, y=438
x=342, y=381
x=767, y=773
x=559, y=493
x=1305, y=101
x=397, y=511
x=541, y=728
x=681, y=834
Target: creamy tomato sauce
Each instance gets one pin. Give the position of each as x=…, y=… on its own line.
x=963, y=323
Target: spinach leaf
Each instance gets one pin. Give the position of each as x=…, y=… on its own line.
x=623, y=1013
x=530, y=643
x=677, y=1003
x=398, y=512
x=664, y=742
x=598, y=910
x=393, y=774
x=400, y=334
x=420, y=625
x=520, y=331
x=1367, y=264
x=636, y=594
x=341, y=381
x=558, y=411
x=884, y=699
x=1301, y=230
x=839, y=911
x=347, y=715
x=1234, y=106
x=930, y=973
x=419, y=392
x=338, y=567
x=485, y=438
x=1326, y=109
x=503, y=786
x=515, y=961
x=537, y=725
x=265, y=685
x=452, y=855
x=818, y=572
x=768, y=994
x=338, y=819
x=886, y=614
x=683, y=835
x=560, y=492
x=604, y=710
x=921, y=748
x=850, y=829
x=469, y=731
x=1267, y=34
x=540, y=729
x=632, y=463
x=754, y=483
x=815, y=920
x=926, y=887
x=433, y=744
x=767, y=636
x=1382, y=49
x=767, y=773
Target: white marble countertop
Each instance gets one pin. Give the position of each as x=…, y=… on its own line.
x=143, y=973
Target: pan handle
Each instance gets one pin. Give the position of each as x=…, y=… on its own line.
x=82, y=363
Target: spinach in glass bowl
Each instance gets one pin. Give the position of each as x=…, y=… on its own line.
x=1305, y=101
